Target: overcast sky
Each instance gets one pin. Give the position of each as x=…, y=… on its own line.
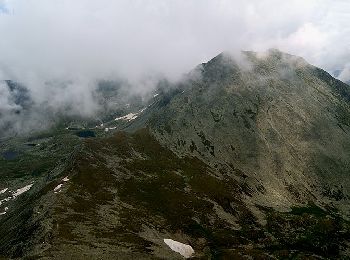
x=80, y=41
x=87, y=39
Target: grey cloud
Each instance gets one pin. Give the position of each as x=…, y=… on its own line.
x=82, y=41
x=344, y=74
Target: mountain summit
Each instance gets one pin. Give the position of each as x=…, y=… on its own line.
x=281, y=122
x=248, y=156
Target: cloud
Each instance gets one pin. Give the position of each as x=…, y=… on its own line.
x=3, y=7
x=345, y=74
x=7, y=103
x=134, y=38
x=81, y=41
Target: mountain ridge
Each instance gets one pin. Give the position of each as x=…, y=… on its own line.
x=253, y=107
x=246, y=157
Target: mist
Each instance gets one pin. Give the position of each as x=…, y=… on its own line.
x=59, y=50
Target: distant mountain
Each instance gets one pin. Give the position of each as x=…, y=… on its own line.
x=21, y=113
x=337, y=73
x=248, y=156
x=19, y=94
x=274, y=120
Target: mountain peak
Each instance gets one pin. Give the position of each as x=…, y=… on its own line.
x=246, y=60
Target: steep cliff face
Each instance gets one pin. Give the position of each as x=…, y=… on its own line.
x=271, y=121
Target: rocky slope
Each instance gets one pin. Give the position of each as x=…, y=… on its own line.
x=246, y=157
x=277, y=123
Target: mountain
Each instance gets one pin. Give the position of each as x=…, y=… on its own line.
x=22, y=113
x=337, y=74
x=281, y=122
x=247, y=156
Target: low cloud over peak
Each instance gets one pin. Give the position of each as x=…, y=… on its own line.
x=136, y=38
x=83, y=41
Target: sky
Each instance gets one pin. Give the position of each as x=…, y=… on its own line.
x=134, y=38
x=81, y=41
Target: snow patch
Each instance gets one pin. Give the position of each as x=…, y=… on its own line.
x=14, y=194
x=21, y=190
x=131, y=116
x=3, y=191
x=110, y=128
x=99, y=126
x=128, y=117
x=183, y=249
x=3, y=213
x=57, y=188
x=4, y=200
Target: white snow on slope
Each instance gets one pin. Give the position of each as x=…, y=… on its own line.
x=3, y=191
x=183, y=249
x=4, y=200
x=130, y=116
x=14, y=194
x=109, y=128
x=99, y=126
x=3, y=213
x=21, y=190
x=57, y=188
